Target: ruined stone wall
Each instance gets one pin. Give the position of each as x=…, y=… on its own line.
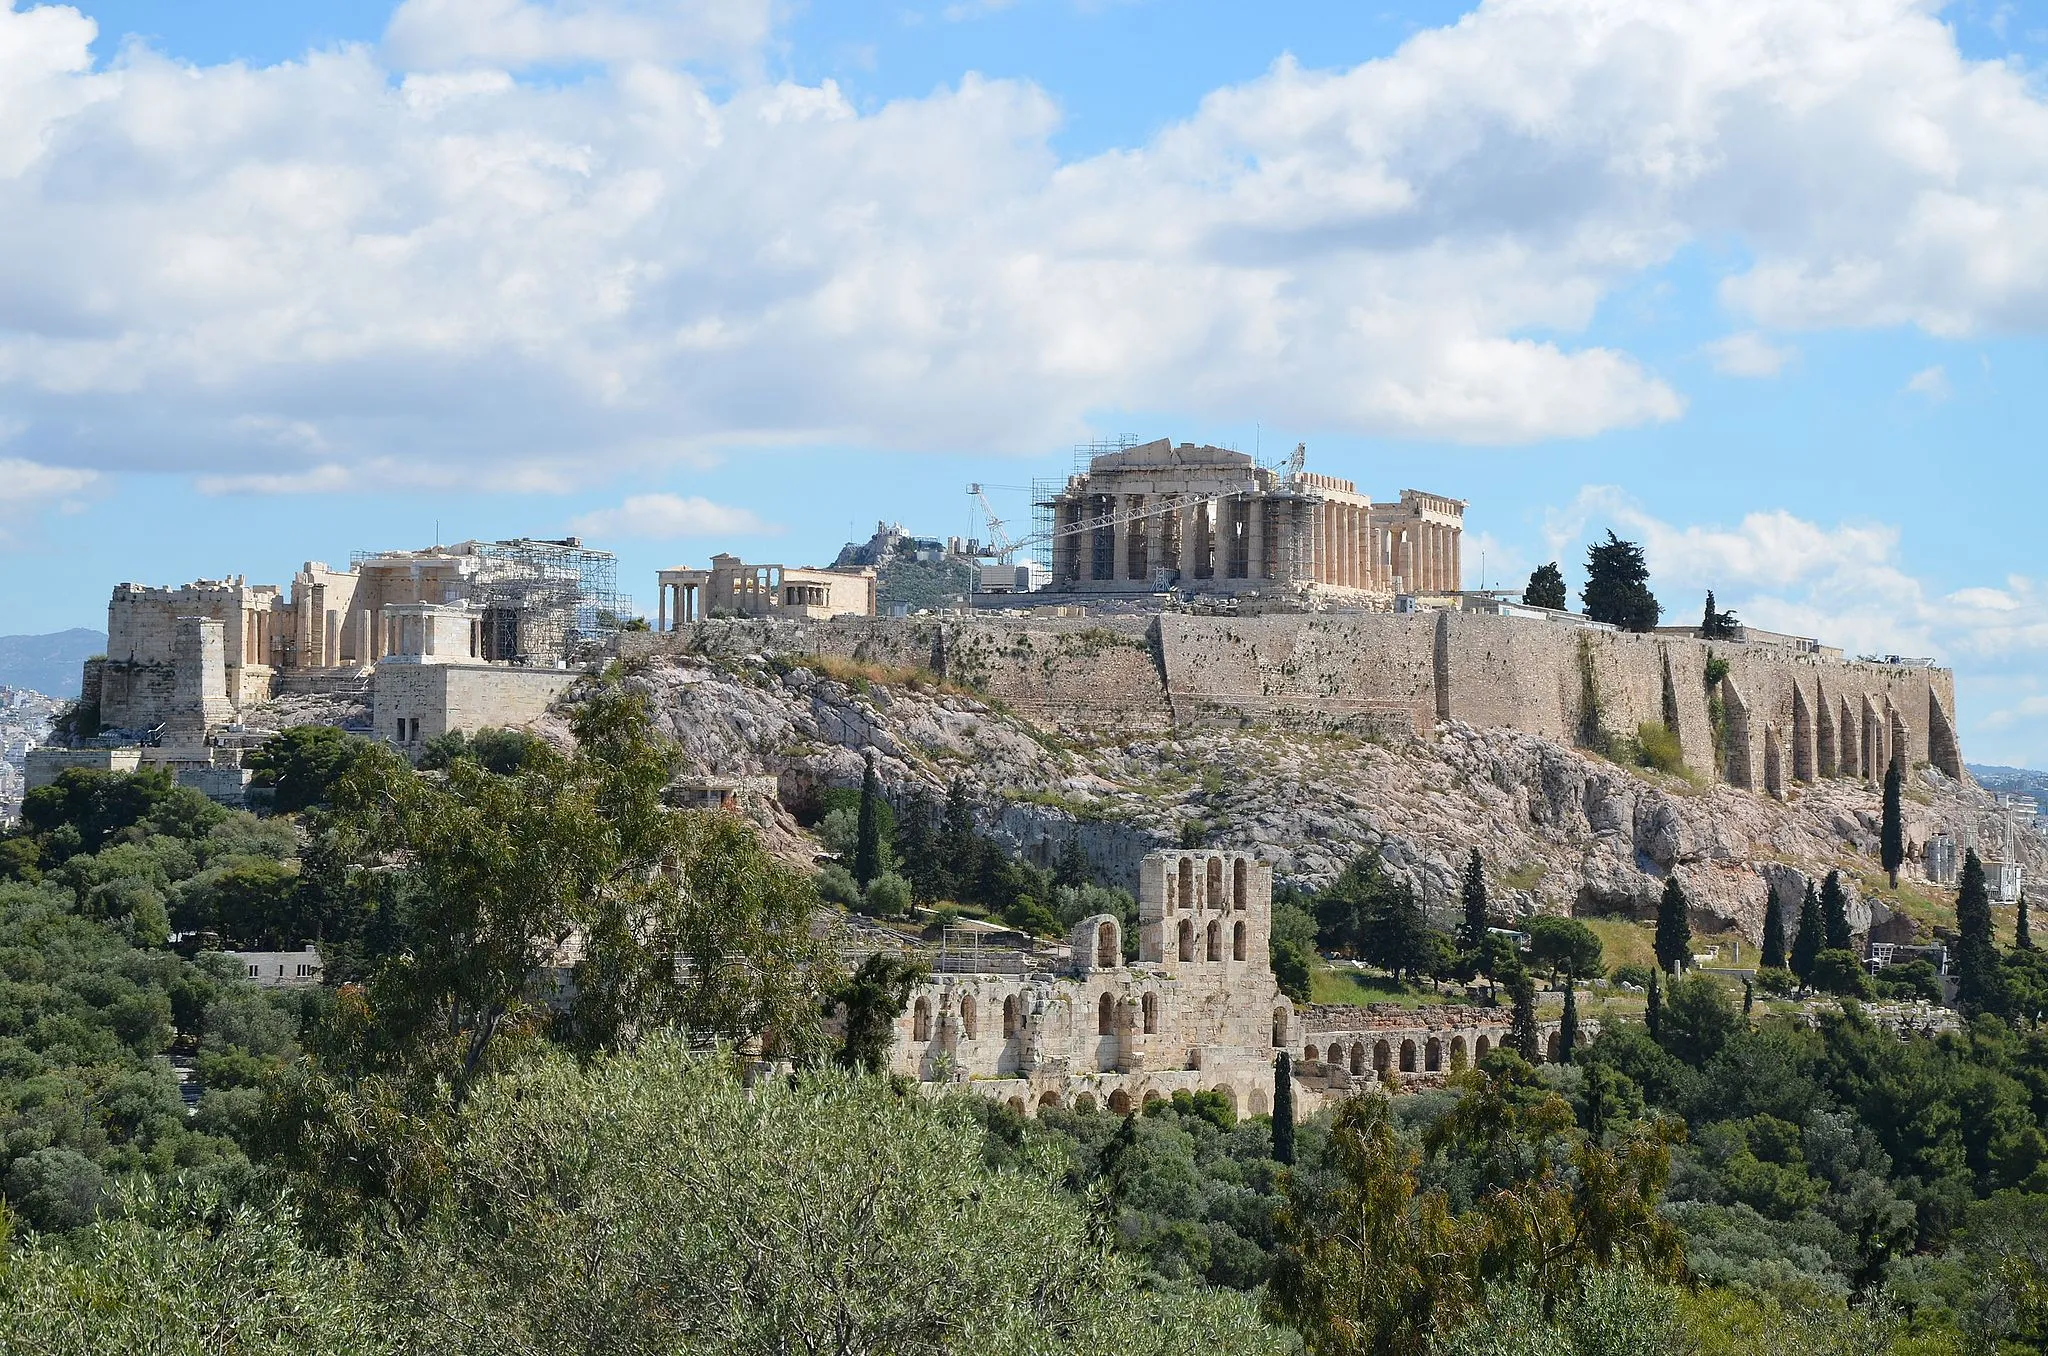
x=465, y=697
x=1374, y=669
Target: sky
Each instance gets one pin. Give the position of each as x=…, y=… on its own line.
x=1762, y=284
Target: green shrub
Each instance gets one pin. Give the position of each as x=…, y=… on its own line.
x=1841, y=973
x=836, y=885
x=888, y=895
x=1657, y=746
x=1776, y=983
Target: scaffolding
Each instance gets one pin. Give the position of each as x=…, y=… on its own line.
x=543, y=603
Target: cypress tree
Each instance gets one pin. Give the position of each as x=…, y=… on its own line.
x=1892, y=836
x=1653, y=1015
x=867, y=850
x=1977, y=988
x=1774, y=933
x=1811, y=929
x=1568, y=1025
x=1283, y=1109
x=915, y=849
x=2021, y=939
x=957, y=857
x=1834, y=913
x=1674, y=930
x=1748, y=997
x=1472, y=935
x=1522, y=1030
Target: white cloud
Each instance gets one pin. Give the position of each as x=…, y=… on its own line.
x=28, y=489
x=669, y=515
x=1749, y=354
x=432, y=263
x=427, y=34
x=1931, y=382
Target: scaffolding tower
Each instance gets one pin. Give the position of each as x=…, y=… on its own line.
x=543, y=602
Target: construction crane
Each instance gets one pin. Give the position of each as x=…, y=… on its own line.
x=999, y=542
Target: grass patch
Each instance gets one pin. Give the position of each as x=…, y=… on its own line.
x=1355, y=988
x=860, y=675
x=1927, y=905
x=1527, y=876
x=1623, y=942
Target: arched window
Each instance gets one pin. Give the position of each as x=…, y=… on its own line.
x=1407, y=1056
x=1150, y=1006
x=1108, y=952
x=1120, y=1102
x=1105, y=1016
x=1187, y=883
x=1258, y=1102
x=1215, y=883
x=1237, y=935
x=1279, y=1028
x=1187, y=940
x=1358, y=1057
x=1480, y=1048
x=1457, y=1052
x=1154, y=1095
x=1240, y=870
x=1009, y=1016
x=921, y=1021
x=1433, y=1056
x=1382, y=1057
x=1017, y=1105
x=1084, y=1102
x=968, y=1024
x=1550, y=1047
x=1309, y=1055
x=1049, y=1102
x=1215, y=941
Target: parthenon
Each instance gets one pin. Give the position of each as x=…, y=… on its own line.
x=1211, y=520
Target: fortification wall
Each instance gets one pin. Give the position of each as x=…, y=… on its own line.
x=465, y=697
x=1398, y=673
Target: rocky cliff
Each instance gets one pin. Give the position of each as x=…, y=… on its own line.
x=1561, y=831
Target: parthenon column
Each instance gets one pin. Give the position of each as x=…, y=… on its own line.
x=1458, y=559
x=1356, y=557
x=1189, y=540
x=1436, y=558
x=1255, y=537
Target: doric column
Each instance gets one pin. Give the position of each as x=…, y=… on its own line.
x=1458, y=559
x=1155, y=545
x=1189, y=532
x=1255, y=537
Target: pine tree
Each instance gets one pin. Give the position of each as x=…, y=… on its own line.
x=867, y=850
x=1653, y=1014
x=958, y=857
x=1892, y=838
x=1072, y=868
x=1617, y=586
x=1568, y=1025
x=1748, y=997
x=1774, y=933
x=1472, y=935
x=1674, y=929
x=1977, y=987
x=2021, y=939
x=1807, y=944
x=916, y=849
x=1546, y=588
x=1522, y=1029
x=1397, y=933
x=1283, y=1109
x=1834, y=913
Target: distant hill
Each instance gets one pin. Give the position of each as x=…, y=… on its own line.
x=2016, y=780
x=48, y=664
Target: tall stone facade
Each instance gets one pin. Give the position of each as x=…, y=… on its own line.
x=1211, y=520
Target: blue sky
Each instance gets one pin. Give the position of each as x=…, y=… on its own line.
x=1763, y=284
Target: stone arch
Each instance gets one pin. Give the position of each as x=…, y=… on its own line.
x=1802, y=736
x=1049, y=1100
x=1256, y=1104
x=1240, y=883
x=1407, y=1055
x=1457, y=1053
x=1826, y=752
x=1153, y=1095
x=1187, y=883
x=1358, y=1057
x=1017, y=1105
x=1215, y=940
x=1237, y=940
x=1212, y=892
x=1120, y=1102
x=1109, y=948
x=1480, y=1048
x=1187, y=939
x=921, y=1020
x=1309, y=1055
x=1105, y=1016
x=1850, y=733
x=969, y=1017
x=1084, y=1102
x=1228, y=1094
x=1433, y=1056
x=1148, y=1006
x=1009, y=1016
x=1279, y=1028
x=1382, y=1056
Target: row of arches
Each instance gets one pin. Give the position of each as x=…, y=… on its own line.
x=921, y=1027
x=1240, y=941
x=1430, y=1056
x=1120, y=1102
x=1181, y=885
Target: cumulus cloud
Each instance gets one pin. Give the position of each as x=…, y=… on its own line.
x=669, y=515
x=1931, y=382
x=28, y=489
x=1749, y=354
x=412, y=254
